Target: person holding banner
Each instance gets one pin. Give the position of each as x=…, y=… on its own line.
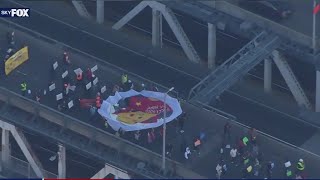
x=23, y=88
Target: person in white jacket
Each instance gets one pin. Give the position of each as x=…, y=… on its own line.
x=187, y=152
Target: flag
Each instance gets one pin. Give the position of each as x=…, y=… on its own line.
x=316, y=9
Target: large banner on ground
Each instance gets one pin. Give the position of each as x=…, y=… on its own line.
x=134, y=110
x=16, y=60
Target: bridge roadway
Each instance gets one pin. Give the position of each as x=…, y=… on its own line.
x=111, y=50
x=36, y=73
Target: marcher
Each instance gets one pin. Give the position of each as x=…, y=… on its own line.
x=10, y=37
x=38, y=96
x=98, y=100
x=288, y=171
x=219, y=171
x=196, y=145
x=253, y=134
x=137, y=135
x=269, y=168
x=93, y=110
x=149, y=136
x=124, y=79
x=66, y=59
x=153, y=135
x=226, y=130
x=79, y=76
x=256, y=167
x=187, y=153
x=300, y=167
x=181, y=121
x=233, y=155
x=89, y=75
x=23, y=88
x=169, y=148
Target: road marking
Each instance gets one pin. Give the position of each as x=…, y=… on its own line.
x=123, y=47
x=21, y=73
x=273, y=109
x=120, y=46
x=222, y=32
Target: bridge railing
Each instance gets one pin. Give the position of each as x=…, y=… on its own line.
x=23, y=168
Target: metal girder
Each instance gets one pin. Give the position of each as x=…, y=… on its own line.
x=172, y=21
x=125, y=19
x=81, y=9
x=234, y=68
x=77, y=142
x=25, y=147
x=109, y=169
x=62, y=171
x=291, y=80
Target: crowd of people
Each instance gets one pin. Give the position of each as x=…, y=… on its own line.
x=244, y=154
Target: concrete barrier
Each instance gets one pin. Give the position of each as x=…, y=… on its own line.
x=277, y=28
x=93, y=133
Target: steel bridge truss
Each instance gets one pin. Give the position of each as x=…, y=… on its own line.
x=234, y=68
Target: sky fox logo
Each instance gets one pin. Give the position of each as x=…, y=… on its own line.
x=15, y=12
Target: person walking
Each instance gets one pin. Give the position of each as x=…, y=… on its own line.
x=169, y=148
x=226, y=130
x=233, y=155
x=23, y=86
x=187, y=153
x=181, y=121
x=89, y=75
x=300, y=167
x=219, y=170
x=137, y=135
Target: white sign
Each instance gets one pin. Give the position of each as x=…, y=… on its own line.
x=94, y=68
x=55, y=65
x=88, y=86
x=72, y=88
x=70, y=104
x=103, y=89
x=78, y=71
x=9, y=50
x=59, y=96
x=64, y=74
x=95, y=81
x=52, y=87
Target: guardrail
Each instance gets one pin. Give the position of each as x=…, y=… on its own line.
x=91, y=132
x=23, y=168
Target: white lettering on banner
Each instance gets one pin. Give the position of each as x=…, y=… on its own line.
x=59, y=96
x=95, y=81
x=88, y=86
x=103, y=89
x=94, y=68
x=156, y=109
x=78, y=71
x=52, y=87
x=55, y=65
x=70, y=104
x=64, y=74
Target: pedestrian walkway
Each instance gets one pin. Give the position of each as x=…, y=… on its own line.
x=36, y=73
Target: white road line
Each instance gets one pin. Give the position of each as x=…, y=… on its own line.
x=21, y=73
x=271, y=108
x=206, y=27
x=120, y=46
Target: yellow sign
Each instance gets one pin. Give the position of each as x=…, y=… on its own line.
x=134, y=117
x=16, y=60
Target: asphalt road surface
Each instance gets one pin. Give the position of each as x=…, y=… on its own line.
x=197, y=31
x=35, y=72
x=259, y=115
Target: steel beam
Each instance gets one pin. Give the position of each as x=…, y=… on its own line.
x=5, y=147
x=125, y=19
x=62, y=170
x=156, y=31
x=100, y=11
x=109, y=169
x=81, y=9
x=267, y=75
x=317, y=109
x=291, y=80
x=212, y=46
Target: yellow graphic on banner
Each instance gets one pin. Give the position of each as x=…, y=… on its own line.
x=134, y=117
x=16, y=60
